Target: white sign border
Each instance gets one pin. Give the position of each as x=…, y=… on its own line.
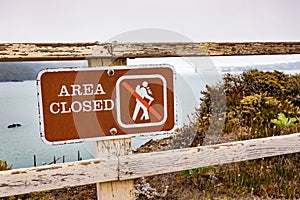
x=102, y=68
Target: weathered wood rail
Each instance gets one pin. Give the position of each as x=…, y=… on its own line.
x=81, y=51
x=119, y=166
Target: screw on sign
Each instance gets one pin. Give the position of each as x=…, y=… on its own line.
x=93, y=103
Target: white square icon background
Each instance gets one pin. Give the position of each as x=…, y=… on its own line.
x=142, y=79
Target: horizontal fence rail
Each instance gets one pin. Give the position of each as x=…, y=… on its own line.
x=80, y=51
x=116, y=168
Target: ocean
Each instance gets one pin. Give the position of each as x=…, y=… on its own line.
x=18, y=104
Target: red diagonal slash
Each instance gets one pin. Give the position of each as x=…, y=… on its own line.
x=136, y=95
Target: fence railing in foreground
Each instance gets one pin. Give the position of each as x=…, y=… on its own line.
x=117, y=168
x=120, y=165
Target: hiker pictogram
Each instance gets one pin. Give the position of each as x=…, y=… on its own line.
x=144, y=92
x=144, y=101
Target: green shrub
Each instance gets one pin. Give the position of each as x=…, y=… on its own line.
x=211, y=116
x=270, y=83
x=292, y=88
x=4, y=166
x=283, y=122
x=256, y=113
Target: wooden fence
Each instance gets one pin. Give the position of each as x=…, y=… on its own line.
x=119, y=165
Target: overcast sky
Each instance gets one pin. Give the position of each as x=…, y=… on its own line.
x=194, y=20
x=199, y=20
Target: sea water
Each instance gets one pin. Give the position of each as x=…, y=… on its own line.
x=18, y=104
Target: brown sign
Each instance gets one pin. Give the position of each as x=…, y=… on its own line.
x=85, y=103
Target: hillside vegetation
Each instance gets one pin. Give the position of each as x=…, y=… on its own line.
x=252, y=105
x=258, y=104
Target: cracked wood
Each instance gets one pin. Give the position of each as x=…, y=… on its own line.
x=85, y=51
x=129, y=166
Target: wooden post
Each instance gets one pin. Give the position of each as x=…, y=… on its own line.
x=78, y=156
x=34, y=160
x=115, y=190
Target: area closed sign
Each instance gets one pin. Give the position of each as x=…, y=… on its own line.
x=89, y=103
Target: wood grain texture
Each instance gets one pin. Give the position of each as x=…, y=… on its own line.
x=21, y=181
x=85, y=51
x=130, y=166
x=114, y=190
x=148, y=164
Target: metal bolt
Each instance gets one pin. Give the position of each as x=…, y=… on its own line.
x=110, y=72
x=113, y=131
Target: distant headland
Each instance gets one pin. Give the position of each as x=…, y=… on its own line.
x=22, y=71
